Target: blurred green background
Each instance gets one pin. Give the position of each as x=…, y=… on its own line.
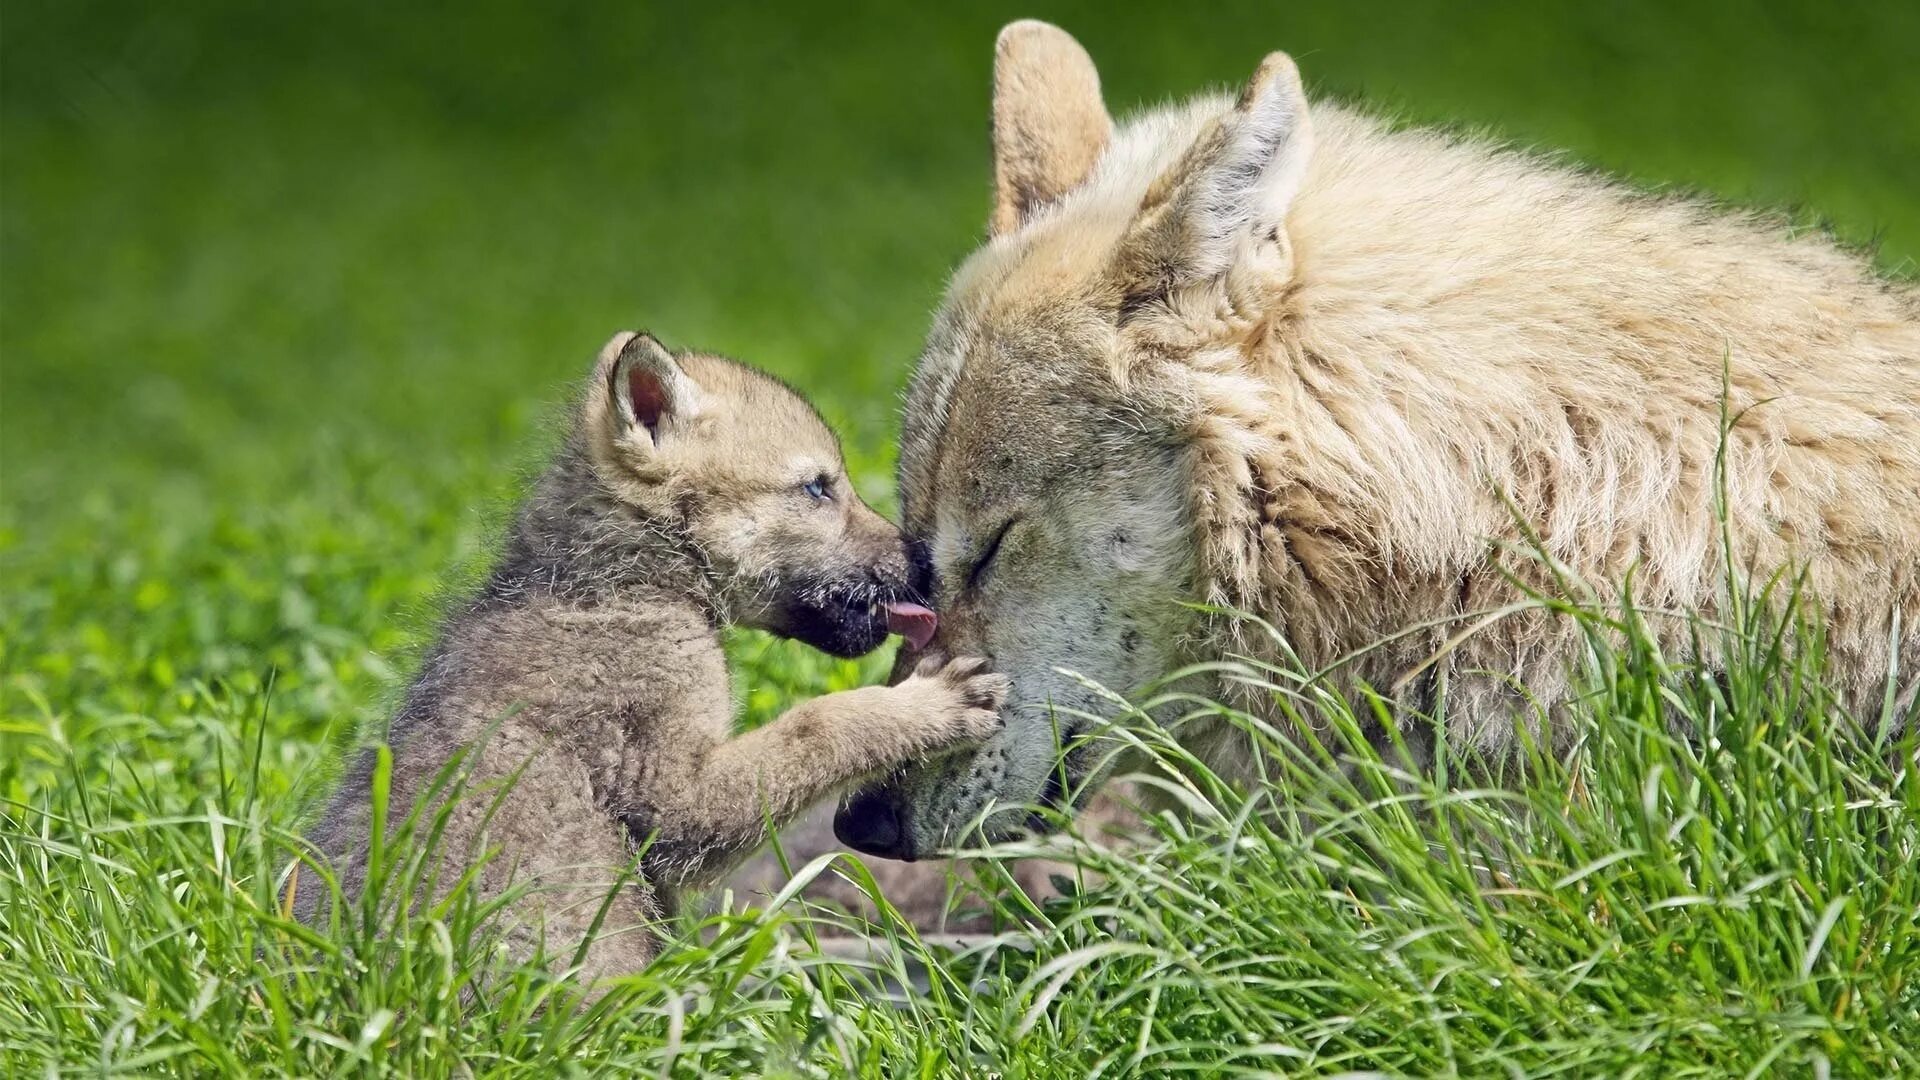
x=287, y=290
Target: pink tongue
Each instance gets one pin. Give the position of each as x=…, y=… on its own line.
x=911, y=621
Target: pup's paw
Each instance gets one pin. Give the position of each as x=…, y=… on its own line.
x=964, y=697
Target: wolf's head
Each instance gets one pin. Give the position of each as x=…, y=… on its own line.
x=1054, y=457
x=738, y=472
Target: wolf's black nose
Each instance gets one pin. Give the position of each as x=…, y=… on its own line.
x=869, y=822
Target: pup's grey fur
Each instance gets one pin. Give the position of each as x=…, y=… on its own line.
x=679, y=504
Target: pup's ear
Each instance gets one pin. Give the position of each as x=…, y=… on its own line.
x=639, y=394
x=1228, y=197
x=1049, y=125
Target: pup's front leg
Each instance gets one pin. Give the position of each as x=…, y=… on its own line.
x=768, y=776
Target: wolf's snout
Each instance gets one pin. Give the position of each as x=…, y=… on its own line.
x=871, y=823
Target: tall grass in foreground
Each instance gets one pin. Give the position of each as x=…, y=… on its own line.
x=1717, y=876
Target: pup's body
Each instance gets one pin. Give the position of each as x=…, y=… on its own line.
x=588, y=676
x=1282, y=357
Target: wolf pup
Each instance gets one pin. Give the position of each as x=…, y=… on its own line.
x=586, y=682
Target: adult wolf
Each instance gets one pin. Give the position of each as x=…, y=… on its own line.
x=1289, y=359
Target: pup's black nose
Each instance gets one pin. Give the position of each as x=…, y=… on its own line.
x=869, y=822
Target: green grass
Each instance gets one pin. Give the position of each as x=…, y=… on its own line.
x=1734, y=900
x=286, y=297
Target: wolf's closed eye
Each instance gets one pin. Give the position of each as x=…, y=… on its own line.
x=981, y=564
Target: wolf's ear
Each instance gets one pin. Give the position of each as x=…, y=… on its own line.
x=639, y=393
x=1228, y=197
x=1049, y=124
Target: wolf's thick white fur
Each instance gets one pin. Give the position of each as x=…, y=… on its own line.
x=1366, y=356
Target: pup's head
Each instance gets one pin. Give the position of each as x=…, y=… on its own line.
x=739, y=470
x=1050, y=456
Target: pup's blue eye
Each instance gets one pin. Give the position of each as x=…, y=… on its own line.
x=820, y=487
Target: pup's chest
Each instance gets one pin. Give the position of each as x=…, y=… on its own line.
x=597, y=679
x=647, y=695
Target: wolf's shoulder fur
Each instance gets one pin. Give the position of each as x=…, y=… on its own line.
x=1474, y=335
